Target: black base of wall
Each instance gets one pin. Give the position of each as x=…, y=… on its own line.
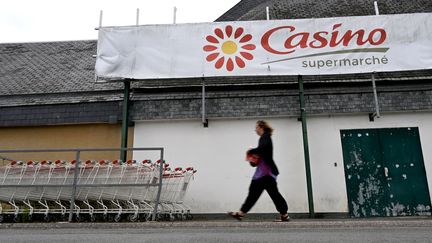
x=269, y=216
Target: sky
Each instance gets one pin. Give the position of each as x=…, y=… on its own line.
x=61, y=20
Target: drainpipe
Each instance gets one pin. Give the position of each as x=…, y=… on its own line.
x=306, y=147
x=204, y=119
x=125, y=119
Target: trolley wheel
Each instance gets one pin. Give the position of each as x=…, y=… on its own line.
x=1, y=218
x=105, y=217
x=171, y=217
x=46, y=218
x=189, y=216
x=145, y=217
x=16, y=219
x=133, y=218
x=117, y=218
x=92, y=217
x=177, y=216
x=78, y=218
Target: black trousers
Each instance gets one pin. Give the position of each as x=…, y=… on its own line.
x=256, y=188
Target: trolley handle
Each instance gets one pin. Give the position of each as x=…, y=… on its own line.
x=191, y=169
x=59, y=162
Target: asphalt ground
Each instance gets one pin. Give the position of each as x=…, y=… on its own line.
x=425, y=221
x=417, y=229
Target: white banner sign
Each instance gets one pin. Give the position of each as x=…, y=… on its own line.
x=275, y=47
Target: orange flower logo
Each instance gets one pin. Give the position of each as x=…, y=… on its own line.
x=229, y=47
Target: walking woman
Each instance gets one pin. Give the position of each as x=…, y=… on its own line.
x=265, y=175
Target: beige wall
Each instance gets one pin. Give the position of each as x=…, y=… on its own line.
x=62, y=137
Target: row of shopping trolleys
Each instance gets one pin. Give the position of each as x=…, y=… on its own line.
x=105, y=190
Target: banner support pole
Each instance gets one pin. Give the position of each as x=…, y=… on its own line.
x=100, y=18
x=268, y=13
x=375, y=93
x=306, y=148
x=125, y=119
x=376, y=8
x=175, y=15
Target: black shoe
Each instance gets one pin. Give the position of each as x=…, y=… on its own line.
x=283, y=218
x=236, y=215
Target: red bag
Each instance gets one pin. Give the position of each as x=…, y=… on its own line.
x=253, y=159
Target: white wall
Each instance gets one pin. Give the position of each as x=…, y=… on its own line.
x=223, y=177
x=218, y=153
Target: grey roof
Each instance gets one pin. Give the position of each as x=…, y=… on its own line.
x=38, y=73
x=298, y=9
x=51, y=67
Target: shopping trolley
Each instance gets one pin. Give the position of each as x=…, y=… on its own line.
x=110, y=189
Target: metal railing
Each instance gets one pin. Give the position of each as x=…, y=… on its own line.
x=3, y=159
x=75, y=183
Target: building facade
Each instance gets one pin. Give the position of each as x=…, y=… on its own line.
x=361, y=164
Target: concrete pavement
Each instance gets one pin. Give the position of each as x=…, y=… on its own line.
x=246, y=223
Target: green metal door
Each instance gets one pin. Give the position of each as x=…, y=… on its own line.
x=364, y=173
x=405, y=173
x=384, y=172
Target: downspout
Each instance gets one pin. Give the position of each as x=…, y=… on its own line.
x=306, y=147
x=204, y=119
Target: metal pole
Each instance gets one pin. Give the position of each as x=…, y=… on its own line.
x=75, y=150
x=137, y=16
x=125, y=120
x=377, y=111
x=76, y=171
x=100, y=18
x=160, y=184
x=175, y=15
x=96, y=78
x=306, y=148
x=376, y=8
x=268, y=13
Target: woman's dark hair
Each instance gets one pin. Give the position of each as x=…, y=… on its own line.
x=265, y=126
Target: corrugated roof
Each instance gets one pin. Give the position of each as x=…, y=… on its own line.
x=298, y=9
